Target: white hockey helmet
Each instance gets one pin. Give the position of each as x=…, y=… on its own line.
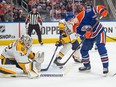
x=26, y=40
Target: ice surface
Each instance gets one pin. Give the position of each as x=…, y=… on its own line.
x=72, y=77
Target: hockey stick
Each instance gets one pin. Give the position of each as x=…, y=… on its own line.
x=111, y=38
x=25, y=75
x=61, y=64
x=50, y=60
x=114, y=74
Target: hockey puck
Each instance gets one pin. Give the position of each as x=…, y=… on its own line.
x=61, y=67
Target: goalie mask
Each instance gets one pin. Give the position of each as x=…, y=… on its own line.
x=26, y=40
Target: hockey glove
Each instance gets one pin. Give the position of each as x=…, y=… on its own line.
x=104, y=13
x=88, y=34
x=75, y=45
x=58, y=43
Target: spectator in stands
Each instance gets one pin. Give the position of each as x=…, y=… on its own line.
x=63, y=13
x=2, y=11
x=19, y=1
x=69, y=7
x=58, y=13
x=45, y=8
x=0, y=1
x=19, y=16
x=31, y=3
x=49, y=6
x=8, y=16
x=39, y=7
x=6, y=11
x=43, y=4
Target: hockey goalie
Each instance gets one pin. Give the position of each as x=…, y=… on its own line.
x=20, y=54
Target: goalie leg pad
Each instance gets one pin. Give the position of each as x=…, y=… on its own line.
x=2, y=57
x=30, y=69
x=77, y=54
x=8, y=69
x=64, y=50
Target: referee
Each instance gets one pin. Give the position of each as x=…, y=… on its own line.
x=35, y=22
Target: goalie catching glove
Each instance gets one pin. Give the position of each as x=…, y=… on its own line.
x=39, y=58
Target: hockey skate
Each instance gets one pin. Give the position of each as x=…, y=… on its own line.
x=85, y=68
x=57, y=62
x=105, y=70
x=78, y=60
x=41, y=43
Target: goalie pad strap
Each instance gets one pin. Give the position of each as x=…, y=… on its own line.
x=1, y=56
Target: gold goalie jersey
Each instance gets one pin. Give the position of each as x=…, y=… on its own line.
x=20, y=53
x=17, y=51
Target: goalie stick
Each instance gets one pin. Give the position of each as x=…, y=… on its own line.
x=24, y=75
x=50, y=60
x=61, y=64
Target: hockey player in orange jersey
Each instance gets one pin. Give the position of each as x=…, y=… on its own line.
x=87, y=25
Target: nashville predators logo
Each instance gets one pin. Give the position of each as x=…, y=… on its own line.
x=23, y=50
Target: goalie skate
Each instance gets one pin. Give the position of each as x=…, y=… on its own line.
x=57, y=62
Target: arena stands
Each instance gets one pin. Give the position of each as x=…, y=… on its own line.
x=50, y=11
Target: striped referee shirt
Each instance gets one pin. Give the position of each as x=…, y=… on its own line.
x=33, y=18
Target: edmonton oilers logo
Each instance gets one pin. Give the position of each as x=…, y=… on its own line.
x=86, y=28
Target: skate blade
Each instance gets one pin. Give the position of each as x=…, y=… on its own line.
x=56, y=67
x=105, y=75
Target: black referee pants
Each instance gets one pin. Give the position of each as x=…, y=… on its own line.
x=37, y=29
